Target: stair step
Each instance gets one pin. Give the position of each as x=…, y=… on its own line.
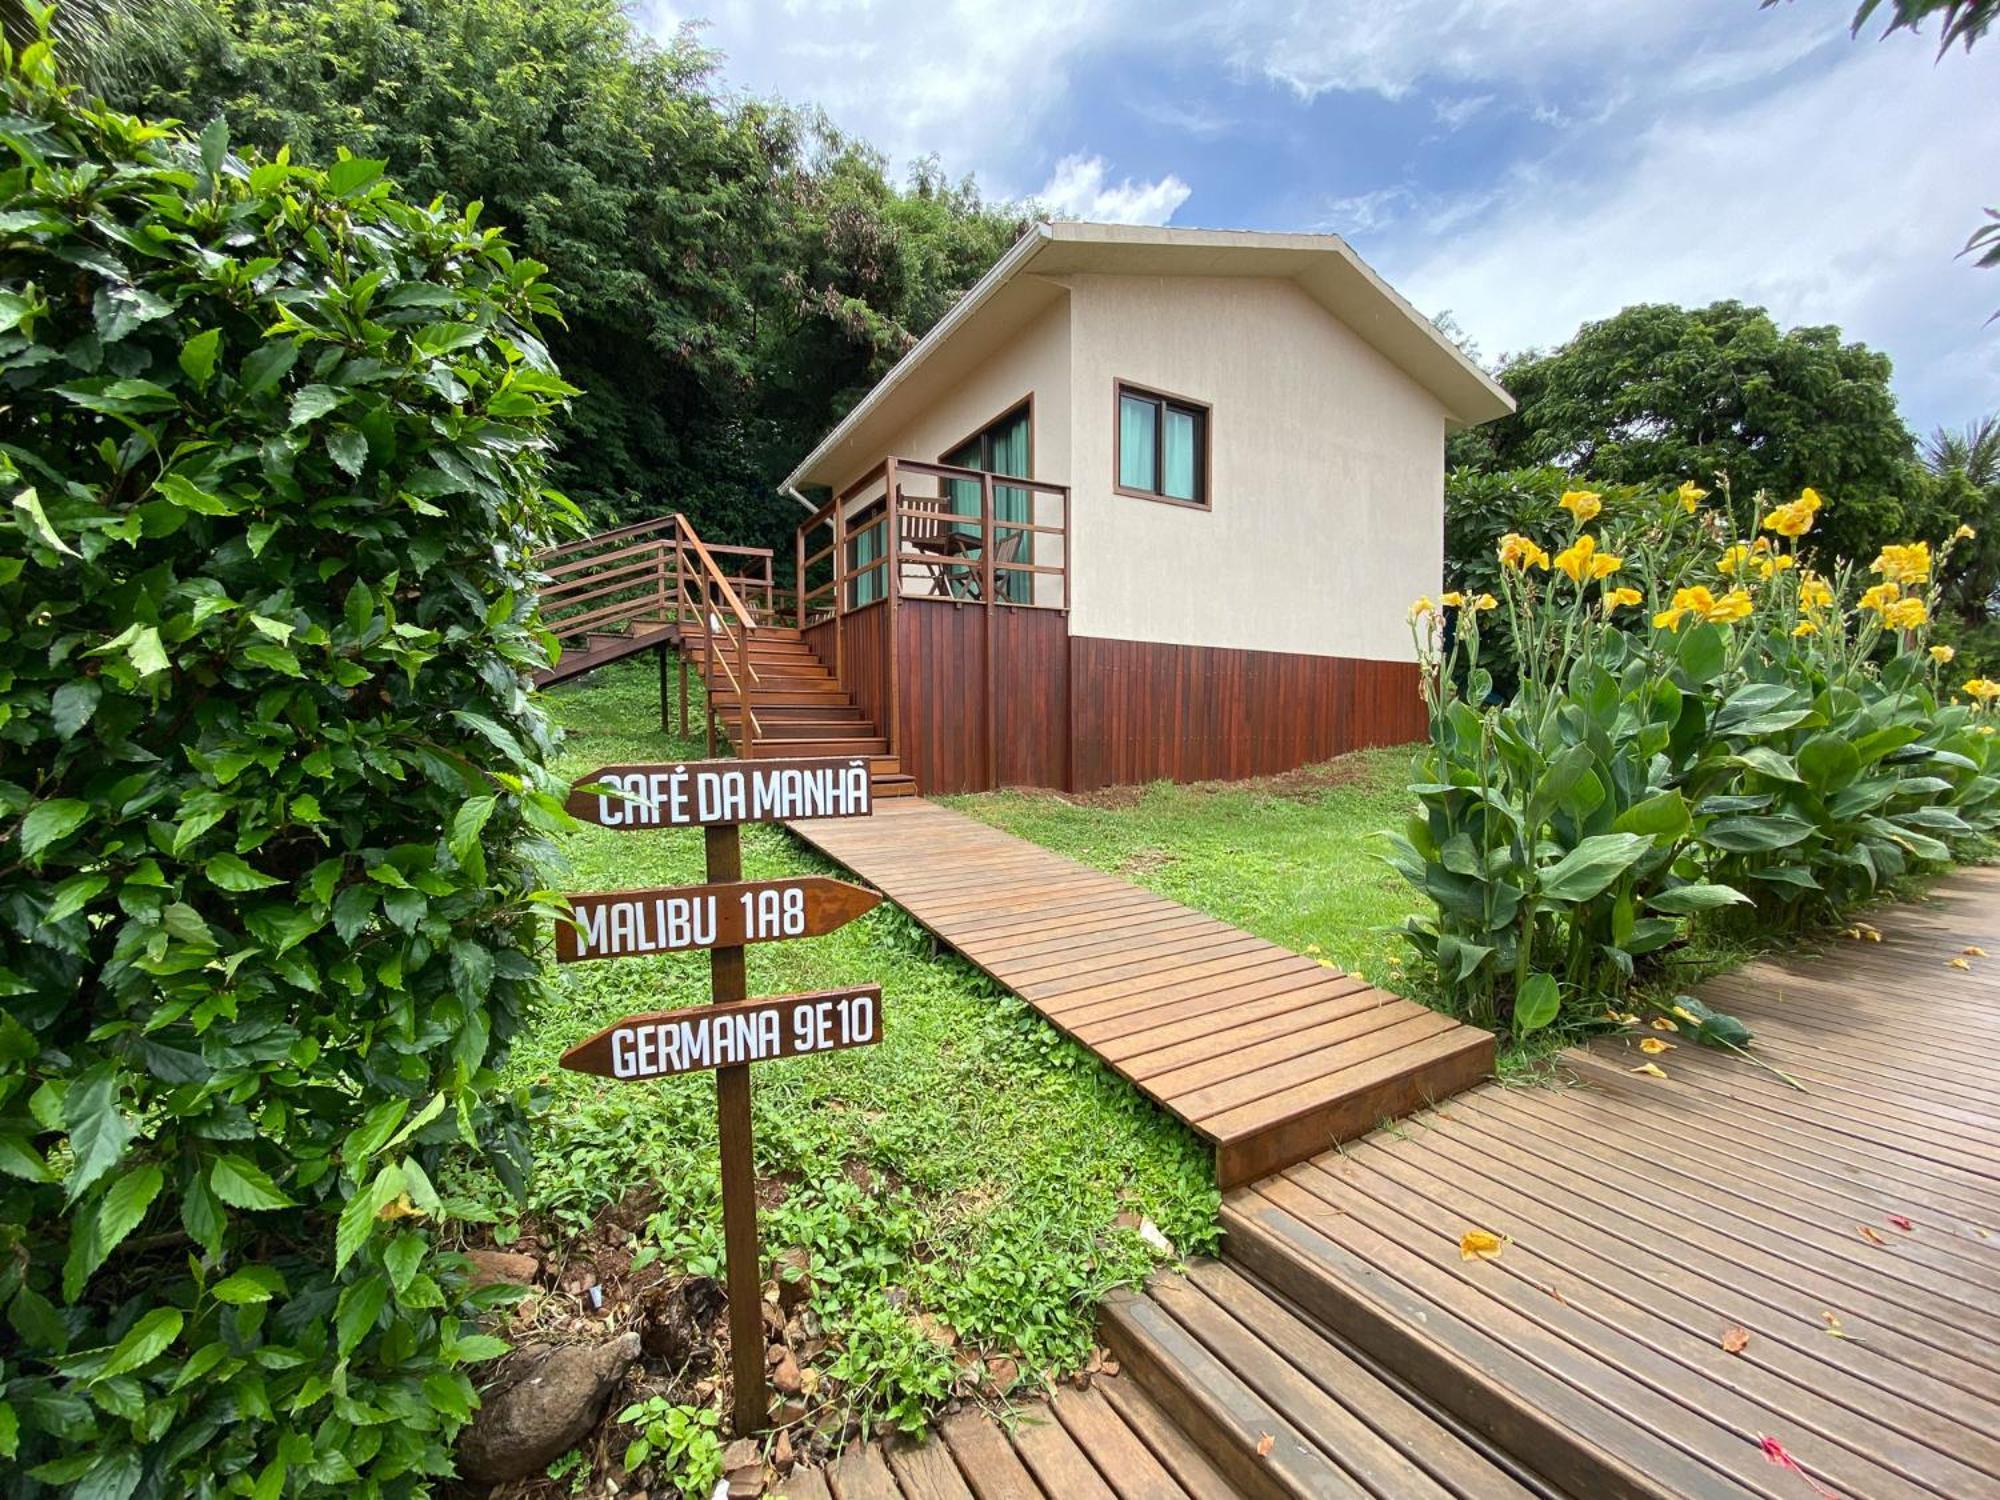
x=767, y=749
x=810, y=699
x=1239, y=1369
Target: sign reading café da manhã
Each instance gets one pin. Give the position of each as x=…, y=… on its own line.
x=708, y=793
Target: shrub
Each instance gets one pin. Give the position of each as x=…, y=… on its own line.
x=1702, y=723
x=268, y=820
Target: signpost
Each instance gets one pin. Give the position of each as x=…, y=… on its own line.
x=720, y=917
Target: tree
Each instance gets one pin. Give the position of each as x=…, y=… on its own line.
x=1659, y=394
x=1966, y=466
x=1974, y=450
x=732, y=273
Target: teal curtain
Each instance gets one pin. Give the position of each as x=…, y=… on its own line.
x=1136, y=442
x=867, y=587
x=1178, y=456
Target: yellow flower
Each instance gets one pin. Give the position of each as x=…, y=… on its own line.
x=1815, y=592
x=1453, y=600
x=1964, y=534
x=1881, y=596
x=1734, y=605
x=1423, y=605
x=1690, y=495
x=1809, y=498
x=1732, y=561
x=1781, y=562
x=1583, y=504
x=1581, y=560
x=1805, y=627
x=1617, y=599
x=1703, y=605
x=1486, y=601
x=1480, y=1244
x=1905, y=564
x=1517, y=551
x=1794, y=519
x=1905, y=614
x=1942, y=655
x=1984, y=689
x=1655, y=1045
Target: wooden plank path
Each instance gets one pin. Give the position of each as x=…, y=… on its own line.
x=1267, y=1054
x=1107, y=1442
x=1852, y=1232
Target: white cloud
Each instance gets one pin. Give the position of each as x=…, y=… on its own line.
x=1079, y=189
x=1827, y=202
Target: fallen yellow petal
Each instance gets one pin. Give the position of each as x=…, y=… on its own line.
x=1655, y=1045
x=1959, y=963
x=1651, y=1070
x=1972, y=952
x=1661, y=1023
x=1480, y=1244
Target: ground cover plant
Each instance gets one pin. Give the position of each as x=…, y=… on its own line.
x=963, y=1193
x=1711, y=722
x=269, y=820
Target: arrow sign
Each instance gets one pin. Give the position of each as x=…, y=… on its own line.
x=665, y=1043
x=708, y=793
x=682, y=918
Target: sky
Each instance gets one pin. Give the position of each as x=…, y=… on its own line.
x=1525, y=165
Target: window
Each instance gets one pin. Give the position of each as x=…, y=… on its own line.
x=1162, y=447
x=1005, y=447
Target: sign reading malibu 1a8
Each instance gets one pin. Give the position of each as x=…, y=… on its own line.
x=720, y=918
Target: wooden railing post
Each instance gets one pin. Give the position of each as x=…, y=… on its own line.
x=746, y=724
x=892, y=591
x=708, y=653
x=799, y=578
x=839, y=588
x=986, y=599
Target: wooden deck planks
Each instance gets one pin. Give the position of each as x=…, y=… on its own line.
x=1647, y=1216
x=1267, y=1054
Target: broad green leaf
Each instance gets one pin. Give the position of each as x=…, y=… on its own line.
x=310, y=402
x=72, y=704
x=249, y=1284
x=352, y=173
x=357, y=1218
x=1591, y=866
x=47, y=822
x=1829, y=762
x=198, y=355
x=10, y=1425
x=1683, y=900
x=123, y=1207
x=114, y=1476
x=231, y=872
x=1663, y=815
x=1767, y=762
x=148, y=1339
x=243, y=1184
x=97, y=1130
x=349, y=450
x=1702, y=652
x=360, y=1305
x=1537, y=1004
x=1756, y=835
x=29, y=503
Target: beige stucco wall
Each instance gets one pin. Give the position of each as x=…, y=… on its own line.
x=1327, y=471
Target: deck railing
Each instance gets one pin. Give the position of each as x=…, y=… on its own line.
x=910, y=530
x=660, y=573
x=635, y=573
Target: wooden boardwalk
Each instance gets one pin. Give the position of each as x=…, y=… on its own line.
x=1269, y=1055
x=1700, y=1262
x=1108, y=1442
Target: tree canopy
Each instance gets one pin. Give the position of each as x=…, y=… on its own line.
x=734, y=274
x=1659, y=394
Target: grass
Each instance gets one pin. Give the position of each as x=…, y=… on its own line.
x=1291, y=858
x=971, y=1171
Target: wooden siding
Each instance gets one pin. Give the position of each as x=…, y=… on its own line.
x=965, y=728
x=1141, y=711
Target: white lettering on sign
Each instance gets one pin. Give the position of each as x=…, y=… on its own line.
x=664, y=924
x=658, y=1048
x=677, y=796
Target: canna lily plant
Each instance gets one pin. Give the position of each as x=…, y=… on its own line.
x=1706, y=726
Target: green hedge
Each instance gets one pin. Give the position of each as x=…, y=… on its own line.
x=272, y=803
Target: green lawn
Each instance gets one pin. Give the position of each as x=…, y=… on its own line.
x=997, y=1155
x=1291, y=858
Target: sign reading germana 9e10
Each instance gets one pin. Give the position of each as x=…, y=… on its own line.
x=703, y=793
x=719, y=1036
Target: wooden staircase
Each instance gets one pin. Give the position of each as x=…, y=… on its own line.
x=654, y=586
x=798, y=705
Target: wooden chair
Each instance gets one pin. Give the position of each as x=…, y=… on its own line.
x=929, y=527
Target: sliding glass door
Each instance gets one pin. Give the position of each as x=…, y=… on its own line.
x=1003, y=448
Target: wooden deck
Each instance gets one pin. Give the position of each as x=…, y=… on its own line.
x=1852, y=1233
x=1267, y=1054
x=1109, y=1442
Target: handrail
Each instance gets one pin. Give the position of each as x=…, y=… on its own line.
x=743, y=674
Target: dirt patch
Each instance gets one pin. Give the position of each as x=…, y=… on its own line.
x=1303, y=784
x=1145, y=861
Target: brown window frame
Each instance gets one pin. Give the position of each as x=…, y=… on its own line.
x=1201, y=411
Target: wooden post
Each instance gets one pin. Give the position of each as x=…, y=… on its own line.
x=666, y=708
x=840, y=589
x=707, y=599
x=751, y=1405
x=986, y=598
x=892, y=515
x=684, y=693
x=799, y=578
x=746, y=734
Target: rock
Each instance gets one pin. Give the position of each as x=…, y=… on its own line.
x=794, y=1275
x=744, y=1467
x=487, y=1267
x=790, y=1410
x=1002, y=1372
x=540, y=1407
x=782, y=1457
x=786, y=1377
x=1150, y=1233
x=740, y=1454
